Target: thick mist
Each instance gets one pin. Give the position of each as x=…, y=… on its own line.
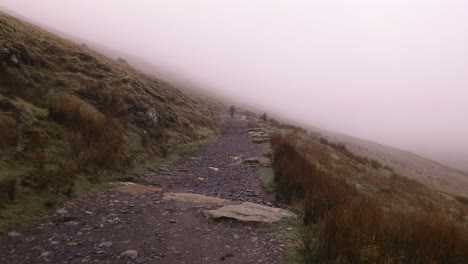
x=391, y=71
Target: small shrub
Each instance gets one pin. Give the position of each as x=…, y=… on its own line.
x=375, y=164
x=324, y=141
x=462, y=199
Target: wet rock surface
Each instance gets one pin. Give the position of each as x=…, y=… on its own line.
x=141, y=227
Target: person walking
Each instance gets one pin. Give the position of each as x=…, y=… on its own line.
x=264, y=117
x=232, y=110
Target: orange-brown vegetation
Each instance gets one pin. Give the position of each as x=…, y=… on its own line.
x=346, y=225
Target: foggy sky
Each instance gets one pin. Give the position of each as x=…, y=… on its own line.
x=392, y=71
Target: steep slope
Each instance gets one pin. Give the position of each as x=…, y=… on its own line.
x=436, y=175
x=68, y=113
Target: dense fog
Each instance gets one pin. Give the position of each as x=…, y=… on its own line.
x=391, y=71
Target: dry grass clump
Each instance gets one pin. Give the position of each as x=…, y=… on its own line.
x=96, y=141
x=345, y=226
x=293, y=128
x=8, y=187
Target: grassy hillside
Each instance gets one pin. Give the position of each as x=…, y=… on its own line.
x=70, y=116
x=356, y=209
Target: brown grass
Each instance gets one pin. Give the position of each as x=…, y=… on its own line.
x=345, y=226
x=95, y=141
x=8, y=188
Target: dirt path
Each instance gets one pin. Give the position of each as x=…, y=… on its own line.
x=116, y=227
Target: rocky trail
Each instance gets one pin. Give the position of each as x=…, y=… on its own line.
x=167, y=217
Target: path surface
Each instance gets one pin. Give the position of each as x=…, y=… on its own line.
x=98, y=228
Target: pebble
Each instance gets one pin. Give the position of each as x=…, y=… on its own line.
x=62, y=211
x=172, y=221
x=46, y=254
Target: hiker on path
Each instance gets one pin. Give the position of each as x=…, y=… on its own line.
x=264, y=117
x=232, y=109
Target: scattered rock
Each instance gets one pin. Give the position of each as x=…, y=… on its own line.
x=235, y=158
x=250, y=212
x=131, y=254
x=46, y=254
x=172, y=221
x=71, y=223
x=38, y=249
x=14, y=59
x=14, y=234
x=105, y=244
x=256, y=130
x=213, y=168
x=62, y=211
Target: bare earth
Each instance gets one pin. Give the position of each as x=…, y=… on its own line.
x=135, y=224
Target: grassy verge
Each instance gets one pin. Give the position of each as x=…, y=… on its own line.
x=29, y=204
x=343, y=225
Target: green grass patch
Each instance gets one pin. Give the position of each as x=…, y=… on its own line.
x=289, y=232
x=268, y=180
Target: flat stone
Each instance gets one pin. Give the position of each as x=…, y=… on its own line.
x=250, y=212
x=137, y=189
x=62, y=211
x=213, y=168
x=194, y=198
x=131, y=254
x=260, y=140
x=14, y=234
x=46, y=254
x=105, y=244
x=251, y=161
x=71, y=223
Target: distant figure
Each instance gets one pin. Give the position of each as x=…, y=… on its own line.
x=232, y=109
x=264, y=117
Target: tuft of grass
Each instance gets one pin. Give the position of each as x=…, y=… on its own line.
x=267, y=179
